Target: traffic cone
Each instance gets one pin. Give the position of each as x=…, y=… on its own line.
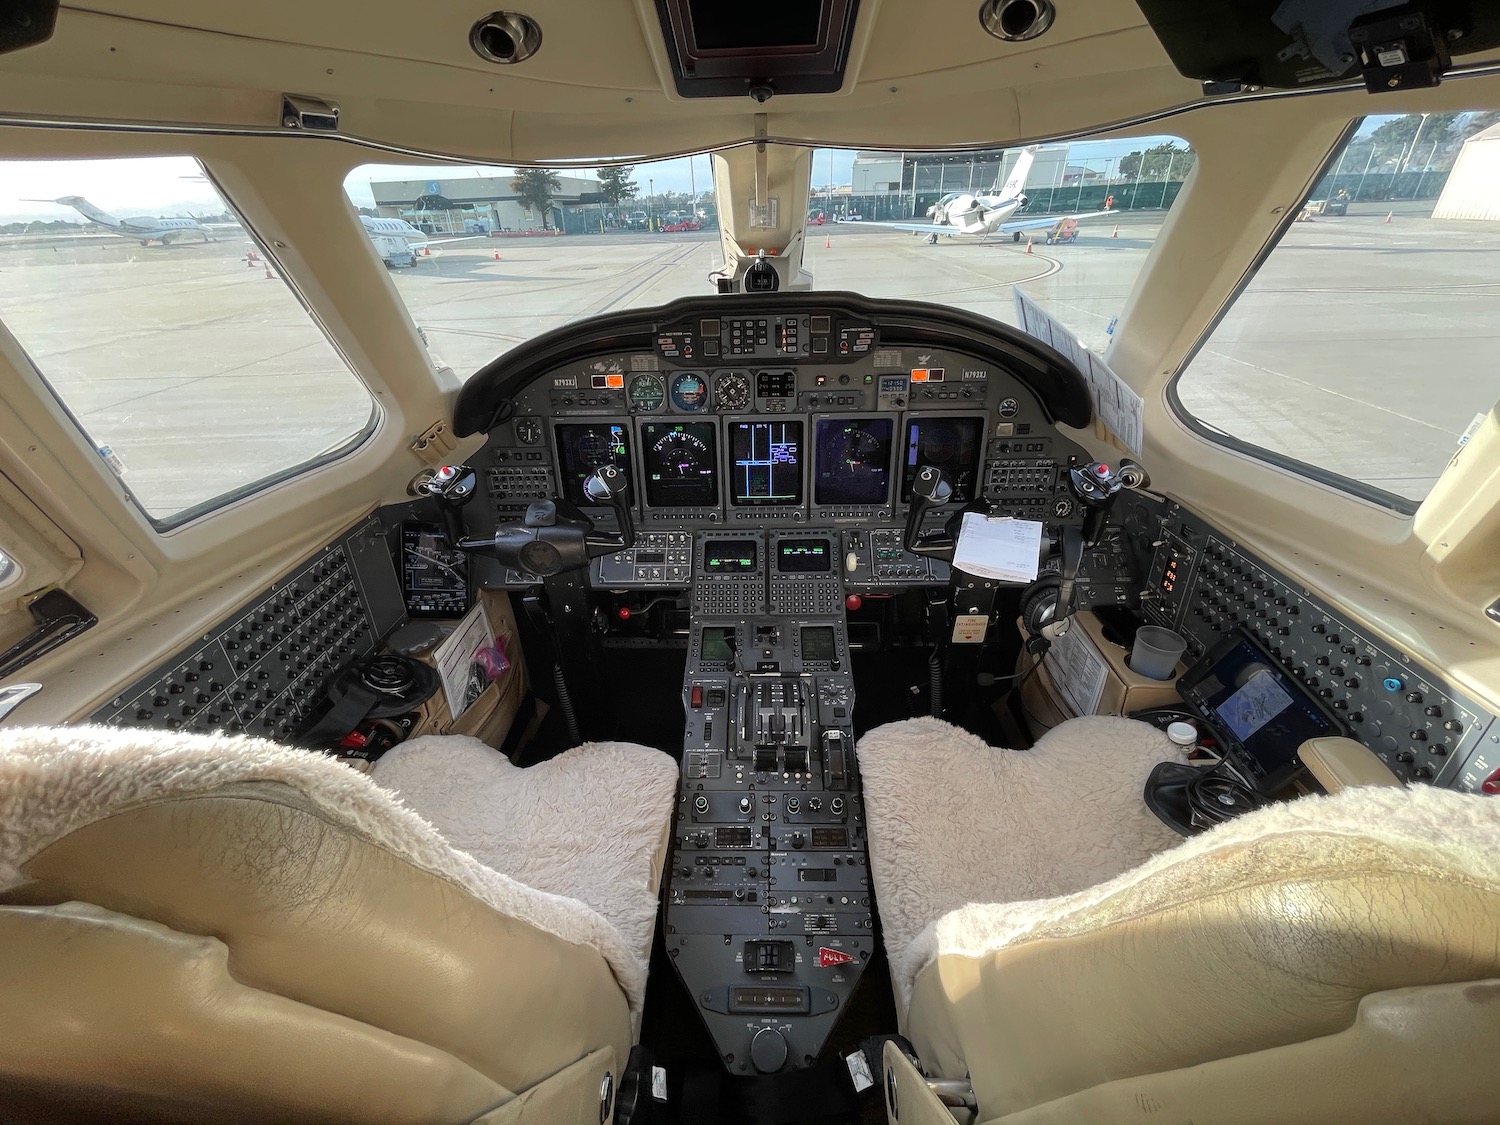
x=1028, y=244
x=269, y=275
x=427, y=251
x=1388, y=215
x=826, y=242
x=497, y=255
x=250, y=261
x=1116, y=232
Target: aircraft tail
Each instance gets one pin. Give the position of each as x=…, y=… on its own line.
x=1017, y=182
x=88, y=210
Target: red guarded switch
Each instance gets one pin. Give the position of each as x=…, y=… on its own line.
x=1491, y=784
x=695, y=696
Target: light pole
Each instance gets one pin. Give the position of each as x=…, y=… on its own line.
x=1406, y=156
x=650, y=203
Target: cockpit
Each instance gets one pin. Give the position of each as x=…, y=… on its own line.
x=656, y=565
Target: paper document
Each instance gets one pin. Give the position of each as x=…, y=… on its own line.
x=1078, y=669
x=464, y=679
x=1008, y=550
x=1115, y=402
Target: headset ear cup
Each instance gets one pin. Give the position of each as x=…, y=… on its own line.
x=1039, y=603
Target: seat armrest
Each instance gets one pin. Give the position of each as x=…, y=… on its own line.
x=1339, y=763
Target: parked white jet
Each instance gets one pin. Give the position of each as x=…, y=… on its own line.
x=398, y=242
x=984, y=215
x=144, y=228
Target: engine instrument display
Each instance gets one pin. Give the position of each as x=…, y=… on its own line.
x=853, y=460
x=689, y=391
x=766, y=463
x=680, y=462
x=583, y=448
x=954, y=445
x=804, y=556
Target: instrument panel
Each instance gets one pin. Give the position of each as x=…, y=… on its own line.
x=815, y=417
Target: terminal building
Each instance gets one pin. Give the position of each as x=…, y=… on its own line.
x=481, y=204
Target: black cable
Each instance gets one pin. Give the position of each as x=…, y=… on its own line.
x=565, y=705
x=1020, y=676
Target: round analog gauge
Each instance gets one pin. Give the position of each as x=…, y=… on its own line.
x=1009, y=407
x=680, y=456
x=1062, y=507
x=689, y=391
x=732, y=392
x=528, y=431
x=647, y=392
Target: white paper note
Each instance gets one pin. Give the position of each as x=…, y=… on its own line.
x=1008, y=550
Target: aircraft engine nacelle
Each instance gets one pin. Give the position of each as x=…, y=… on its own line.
x=963, y=211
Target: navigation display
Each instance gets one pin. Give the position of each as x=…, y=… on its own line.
x=1260, y=715
x=853, y=461
x=765, y=463
x=434, y=575
x=952, y=444
x=583, y=448
x=680, y=461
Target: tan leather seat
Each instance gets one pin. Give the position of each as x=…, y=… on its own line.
x=204, y=929
x=1323, y=960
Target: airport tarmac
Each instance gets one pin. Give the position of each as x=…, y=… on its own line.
x=1364, y=346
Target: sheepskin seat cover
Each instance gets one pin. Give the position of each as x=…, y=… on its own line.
x=1423, y=832
x=953, y=820
x=591, y=824
x=56, y=780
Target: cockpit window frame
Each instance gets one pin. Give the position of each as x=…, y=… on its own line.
x=184, y=516
x=1400, y=505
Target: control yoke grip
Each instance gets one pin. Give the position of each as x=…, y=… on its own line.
x=929, y=490
x=608, y=485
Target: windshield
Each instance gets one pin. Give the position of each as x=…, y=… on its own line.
x=486, y=257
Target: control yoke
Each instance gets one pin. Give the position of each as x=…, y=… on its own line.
x=555, y=537
x=928, y=491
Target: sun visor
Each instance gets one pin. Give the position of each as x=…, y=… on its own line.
x=721, y=50
x=1295, y=44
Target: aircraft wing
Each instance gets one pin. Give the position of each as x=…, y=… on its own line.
x=915, y=228
x=1047, y=221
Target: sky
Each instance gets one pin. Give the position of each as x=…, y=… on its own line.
x=163, y=186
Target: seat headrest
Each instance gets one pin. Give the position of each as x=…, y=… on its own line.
x=57, y=780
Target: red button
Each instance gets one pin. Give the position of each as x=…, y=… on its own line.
x=853, y=602
x=623, y=613
x=695, y=696
x=1492, y=784
x=1102, y=469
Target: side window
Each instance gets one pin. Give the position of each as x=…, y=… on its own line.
x=150, y=312
x=1368, y=339
x=9, y=571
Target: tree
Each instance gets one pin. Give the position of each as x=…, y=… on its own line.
x=1399, y=132
x=534, y=188
x=1479, y=122
x=1158, y=162
x=616, y=186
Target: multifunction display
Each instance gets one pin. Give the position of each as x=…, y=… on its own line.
x=952, y=444
x=804, y=556
x=729, y=556
x=853, y=461
x=765, y=463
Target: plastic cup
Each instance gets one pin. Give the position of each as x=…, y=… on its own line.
x=1156, y=652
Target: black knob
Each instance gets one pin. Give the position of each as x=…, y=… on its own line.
x=1414, y=697
x=1406, y=756
x=1419, y=736
x=1362, y=661
x=1422, y=772
x=1454, y=725
x=1332, y=638
x=1432, y=709
x=1356, y=716
x=1321, y=661
x=798, y=839
x=1438, y=749
x=1352, y=682
x=1320, y=628
x=700, y=804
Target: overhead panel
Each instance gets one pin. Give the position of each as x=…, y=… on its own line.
x=720, y=50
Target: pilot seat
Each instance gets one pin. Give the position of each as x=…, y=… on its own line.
x=205, y=928
x=1059, y=955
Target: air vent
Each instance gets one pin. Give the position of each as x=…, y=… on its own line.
x=721, y=50
x=506, y=38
